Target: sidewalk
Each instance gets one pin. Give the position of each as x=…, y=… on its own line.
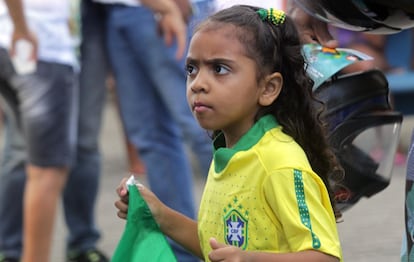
x=371, y=231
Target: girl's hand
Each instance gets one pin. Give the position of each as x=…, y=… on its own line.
x=228, y=253
x=122, y=203
x=154, y=204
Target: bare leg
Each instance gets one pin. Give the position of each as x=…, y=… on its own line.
x=42, y=193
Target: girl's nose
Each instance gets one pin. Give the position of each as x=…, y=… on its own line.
x=198, y=84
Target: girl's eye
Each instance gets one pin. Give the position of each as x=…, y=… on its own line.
x=220, y=69
x=190, y=69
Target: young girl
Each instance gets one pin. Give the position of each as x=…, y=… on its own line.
x=267, y=195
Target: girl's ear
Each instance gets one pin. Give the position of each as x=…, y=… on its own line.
x=272, y=86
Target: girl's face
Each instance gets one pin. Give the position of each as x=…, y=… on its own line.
x=222, y=87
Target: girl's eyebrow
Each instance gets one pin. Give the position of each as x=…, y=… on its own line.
x=209, y=61
x=192, y=61
x=218, y=61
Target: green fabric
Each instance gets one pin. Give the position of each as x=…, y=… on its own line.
x=222, y=154
x=142, y=240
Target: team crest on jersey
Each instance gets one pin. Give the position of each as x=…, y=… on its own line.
x=235, y=229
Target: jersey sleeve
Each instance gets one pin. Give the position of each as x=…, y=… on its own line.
x=299, y=200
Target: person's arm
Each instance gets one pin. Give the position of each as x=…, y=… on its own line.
x=222, y=252
x=311, y=29
x=171, y=22
x=180, y=228
x=173, y=224
x=21, y=29
x=376, y=41
x=185, y=8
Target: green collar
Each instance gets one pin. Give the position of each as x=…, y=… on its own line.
x=222, y=155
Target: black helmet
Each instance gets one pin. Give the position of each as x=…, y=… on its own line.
x=374, y=16
x=363, y=127
x=364, y=132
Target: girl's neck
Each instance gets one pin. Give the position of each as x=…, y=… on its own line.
x=233, y=137
x=233, y=133
x=231, y=140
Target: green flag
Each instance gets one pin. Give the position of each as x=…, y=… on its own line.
x=142, y=240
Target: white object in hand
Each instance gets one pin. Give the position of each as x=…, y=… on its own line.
x=132, y=180
x=22, y=61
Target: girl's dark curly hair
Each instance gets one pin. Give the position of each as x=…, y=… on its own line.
x=277, y=48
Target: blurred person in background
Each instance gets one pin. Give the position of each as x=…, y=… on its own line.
x=150, y=87
x=81, y=189
x=46, y=114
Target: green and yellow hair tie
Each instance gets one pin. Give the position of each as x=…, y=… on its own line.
x=277, y=17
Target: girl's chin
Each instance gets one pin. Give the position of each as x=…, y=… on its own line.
x=205, y=125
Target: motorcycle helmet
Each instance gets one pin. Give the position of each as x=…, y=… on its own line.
x=363, y=127
x=363, y=131
x=374, y=16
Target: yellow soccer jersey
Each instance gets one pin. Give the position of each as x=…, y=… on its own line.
x=263, y=195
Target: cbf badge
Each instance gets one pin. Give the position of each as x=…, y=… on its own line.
x=235, y=229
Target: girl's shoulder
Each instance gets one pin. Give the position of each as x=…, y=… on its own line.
x=277, y=150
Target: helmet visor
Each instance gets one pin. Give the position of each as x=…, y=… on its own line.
x=366, y=148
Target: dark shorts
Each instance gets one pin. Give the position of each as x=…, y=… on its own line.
x=46, y=112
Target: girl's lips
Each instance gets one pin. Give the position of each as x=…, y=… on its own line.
x=199, y=107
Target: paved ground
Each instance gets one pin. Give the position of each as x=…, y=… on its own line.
x=372, y=229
